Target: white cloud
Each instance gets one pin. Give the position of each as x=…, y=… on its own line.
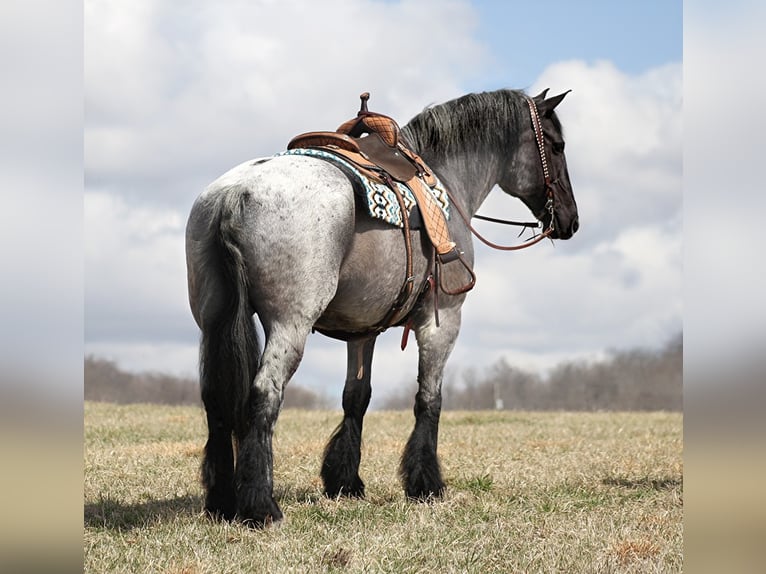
x=135, y=274
x=624, y=143
x=221, y=84
x=622, y=293
x=173, y=94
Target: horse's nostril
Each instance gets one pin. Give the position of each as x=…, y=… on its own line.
x=575, y=225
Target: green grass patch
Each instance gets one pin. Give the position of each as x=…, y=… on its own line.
x=476, y=484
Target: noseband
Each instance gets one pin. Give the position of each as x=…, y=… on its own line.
x=548, y=208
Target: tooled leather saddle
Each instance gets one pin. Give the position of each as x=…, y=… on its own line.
x=371, y=142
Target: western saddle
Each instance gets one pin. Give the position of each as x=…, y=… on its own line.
x=371, y=143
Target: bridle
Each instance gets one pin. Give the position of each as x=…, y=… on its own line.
x=549, y=202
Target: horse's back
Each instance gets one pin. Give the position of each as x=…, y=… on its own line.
x=296, y=189
x=291, y=220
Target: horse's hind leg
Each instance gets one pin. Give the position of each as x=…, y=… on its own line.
x=228, y=360
x=218, y=466
x=419, y=469
x=340, y=468
x=254, y=475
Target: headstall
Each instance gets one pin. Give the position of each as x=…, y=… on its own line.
x=549, y=203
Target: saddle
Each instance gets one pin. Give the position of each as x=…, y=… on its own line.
x=371, y=142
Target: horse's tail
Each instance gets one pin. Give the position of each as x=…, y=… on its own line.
x=229, y=350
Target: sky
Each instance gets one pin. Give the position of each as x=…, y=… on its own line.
x=176, y=94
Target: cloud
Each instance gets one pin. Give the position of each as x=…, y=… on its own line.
x=225, y=84
x=624, y=144
x=175, y=97
x=135, y=274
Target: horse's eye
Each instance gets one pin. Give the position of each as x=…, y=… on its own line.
x=558, y=147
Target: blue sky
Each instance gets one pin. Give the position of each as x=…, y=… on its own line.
x=216, y=84
x=635, y=36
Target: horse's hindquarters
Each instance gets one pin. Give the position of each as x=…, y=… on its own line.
x=293, y=225
x=265, y=238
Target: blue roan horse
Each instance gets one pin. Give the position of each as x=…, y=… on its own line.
x=289, y=240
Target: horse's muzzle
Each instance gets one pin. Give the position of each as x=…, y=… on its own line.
x=566, y=231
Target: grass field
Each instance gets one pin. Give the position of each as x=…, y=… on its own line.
x=527, y=492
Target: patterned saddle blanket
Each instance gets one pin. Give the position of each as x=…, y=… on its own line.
x=380, y=199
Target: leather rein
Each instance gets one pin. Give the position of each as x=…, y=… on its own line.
x=549, y=203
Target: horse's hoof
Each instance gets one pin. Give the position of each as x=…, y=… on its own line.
x=261, y=515
x=262, y=523
x=354, y=490
x=220, y=507
x=219, y=515
x=422, y=493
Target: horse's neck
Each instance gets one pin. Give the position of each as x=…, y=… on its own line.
x=468, y=178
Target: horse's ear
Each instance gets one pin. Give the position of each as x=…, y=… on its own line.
x=547, y=106
x=541, y=96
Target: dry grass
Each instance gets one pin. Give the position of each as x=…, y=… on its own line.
x=527, y=492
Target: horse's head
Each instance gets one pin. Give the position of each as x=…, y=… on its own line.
x=537, y=171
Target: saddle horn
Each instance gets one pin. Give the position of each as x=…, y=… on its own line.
x=363, y=108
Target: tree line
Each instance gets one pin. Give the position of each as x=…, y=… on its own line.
x=626, y=380
x=104, y=381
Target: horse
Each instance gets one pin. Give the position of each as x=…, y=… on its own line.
x=288, y=240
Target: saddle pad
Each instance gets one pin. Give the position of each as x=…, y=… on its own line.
x=381, y=200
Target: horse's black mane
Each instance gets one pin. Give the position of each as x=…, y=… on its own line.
x=470, y=119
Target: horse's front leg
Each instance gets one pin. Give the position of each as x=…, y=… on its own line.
x=419, y=469
x=340, y=468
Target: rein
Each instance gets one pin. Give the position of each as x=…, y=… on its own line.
x=549, y=204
